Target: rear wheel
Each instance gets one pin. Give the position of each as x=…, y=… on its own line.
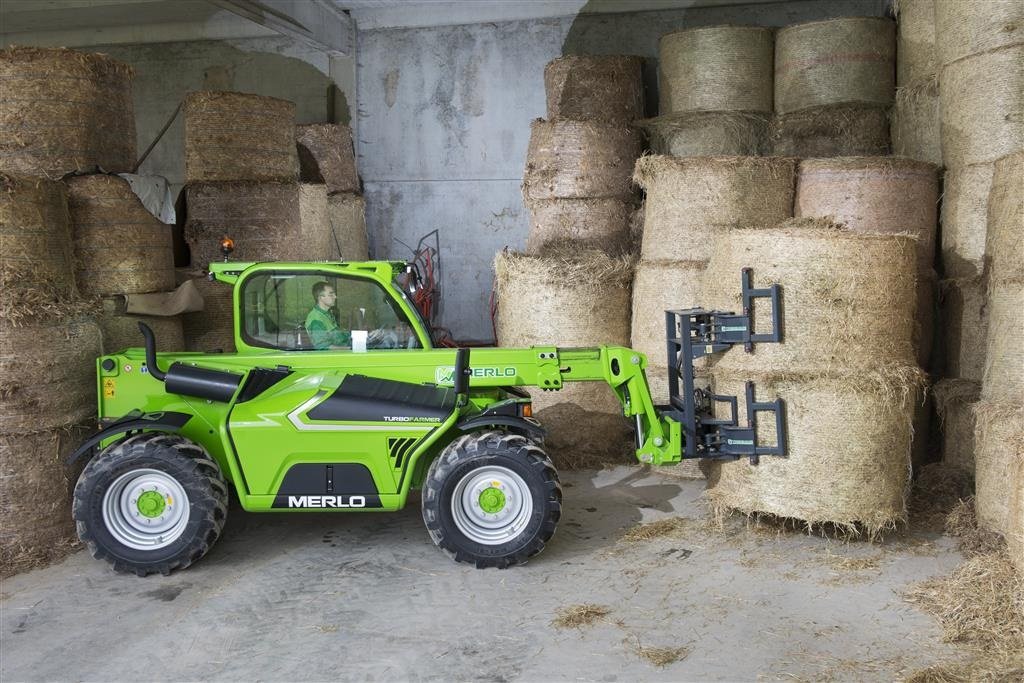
x=152, y=503
x=492, y=499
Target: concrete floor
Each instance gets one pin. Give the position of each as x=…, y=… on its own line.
x=368, y=597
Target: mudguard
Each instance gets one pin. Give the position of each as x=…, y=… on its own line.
x=136, y=420
x=520, y=425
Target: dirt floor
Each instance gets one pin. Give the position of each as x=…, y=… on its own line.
x=368, y=597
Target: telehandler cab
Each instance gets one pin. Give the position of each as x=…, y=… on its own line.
x=357, y=426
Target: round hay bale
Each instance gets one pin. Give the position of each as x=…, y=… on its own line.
x=36, y=488
x=326, y=155
x=965, y=219
x=916, y=57
x=212, y=328
x=580, y=159
x=999, y=439
x=954, y=404
x=121, y=330
x=660, y=286
x=347, y=214
x=120, y=247
x=716, y=68
x=1015, y=527
x=317, y=233
x=849, y=298
x=833, y=131
x=963, y=321
x=708, y=133
x=917, y=124
x=983, y=107
x=873, y=194
x=1004, y=353
x=239, y=136
x=73, y=112
x=690, y=201
x=601, y=223
x=561, y=300
x=264, y=219
x=969, y=28
x=856, y=483
x=47, y=373
x=594, y=88
x=1004, y=239
x=837, y=61
x=35, y=247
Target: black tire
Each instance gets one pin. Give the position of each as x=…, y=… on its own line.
x=482, y=451
x=170, y=455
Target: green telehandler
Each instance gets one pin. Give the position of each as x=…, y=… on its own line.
x=304, y=416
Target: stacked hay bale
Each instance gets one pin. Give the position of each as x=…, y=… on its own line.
x=834, y=87
x=48, y=348
x=999, y=438
x=888, y=195
x=915, y=120
x=572, y=286
x=326, y=155
x=73, y=112
x=846, y=367
x=119, y=249
x=715, y=92
x=691, y=203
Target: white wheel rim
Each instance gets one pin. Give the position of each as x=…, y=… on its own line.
x=490, y=526
x=131, y=526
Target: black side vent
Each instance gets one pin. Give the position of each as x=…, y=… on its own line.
x=398, y=448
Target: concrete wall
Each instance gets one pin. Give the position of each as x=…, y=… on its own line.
x=444, y=121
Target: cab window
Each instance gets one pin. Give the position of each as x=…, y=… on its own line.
x=319, y=311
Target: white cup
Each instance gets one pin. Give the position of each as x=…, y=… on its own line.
x=359, y=340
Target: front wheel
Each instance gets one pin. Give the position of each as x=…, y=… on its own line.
x=492, y=499
x=152, y=503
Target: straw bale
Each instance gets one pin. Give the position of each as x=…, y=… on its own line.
x=873, y=194
x=691, y=201
x=35, y=247
x=594, y=88
x=213, y=327
x=917, y=123
x=585, y=426
x=601, y=223
x=47, y=373
x=268, y=221
x=120, y=247
x=999, y=458
x=983, y=106
x=73, y=112
x=36, y=487
x=1004, y=353
x=965, y=219
x=580, y=159
x=969, y=28
x=121, y=330
x=239, y=136
x=916, y=57
x=716, y=68
x=837, y=61
x=1004, y=240
x=832, y=131
x=856, y=483
x=954, y=404
x=708, y=133
x=660, y=286
x=347, y=214
x=326, y=156
x=963, y=322
x=849, y=298
x=1015, y=524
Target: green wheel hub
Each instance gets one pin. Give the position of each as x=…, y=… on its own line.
x=492, y=500
x=151, y=504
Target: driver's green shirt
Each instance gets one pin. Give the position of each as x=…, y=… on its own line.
x=324, y=331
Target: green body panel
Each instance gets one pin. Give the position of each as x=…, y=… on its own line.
x=256, y=442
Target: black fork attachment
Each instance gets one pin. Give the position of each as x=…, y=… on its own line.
x=695, y=332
